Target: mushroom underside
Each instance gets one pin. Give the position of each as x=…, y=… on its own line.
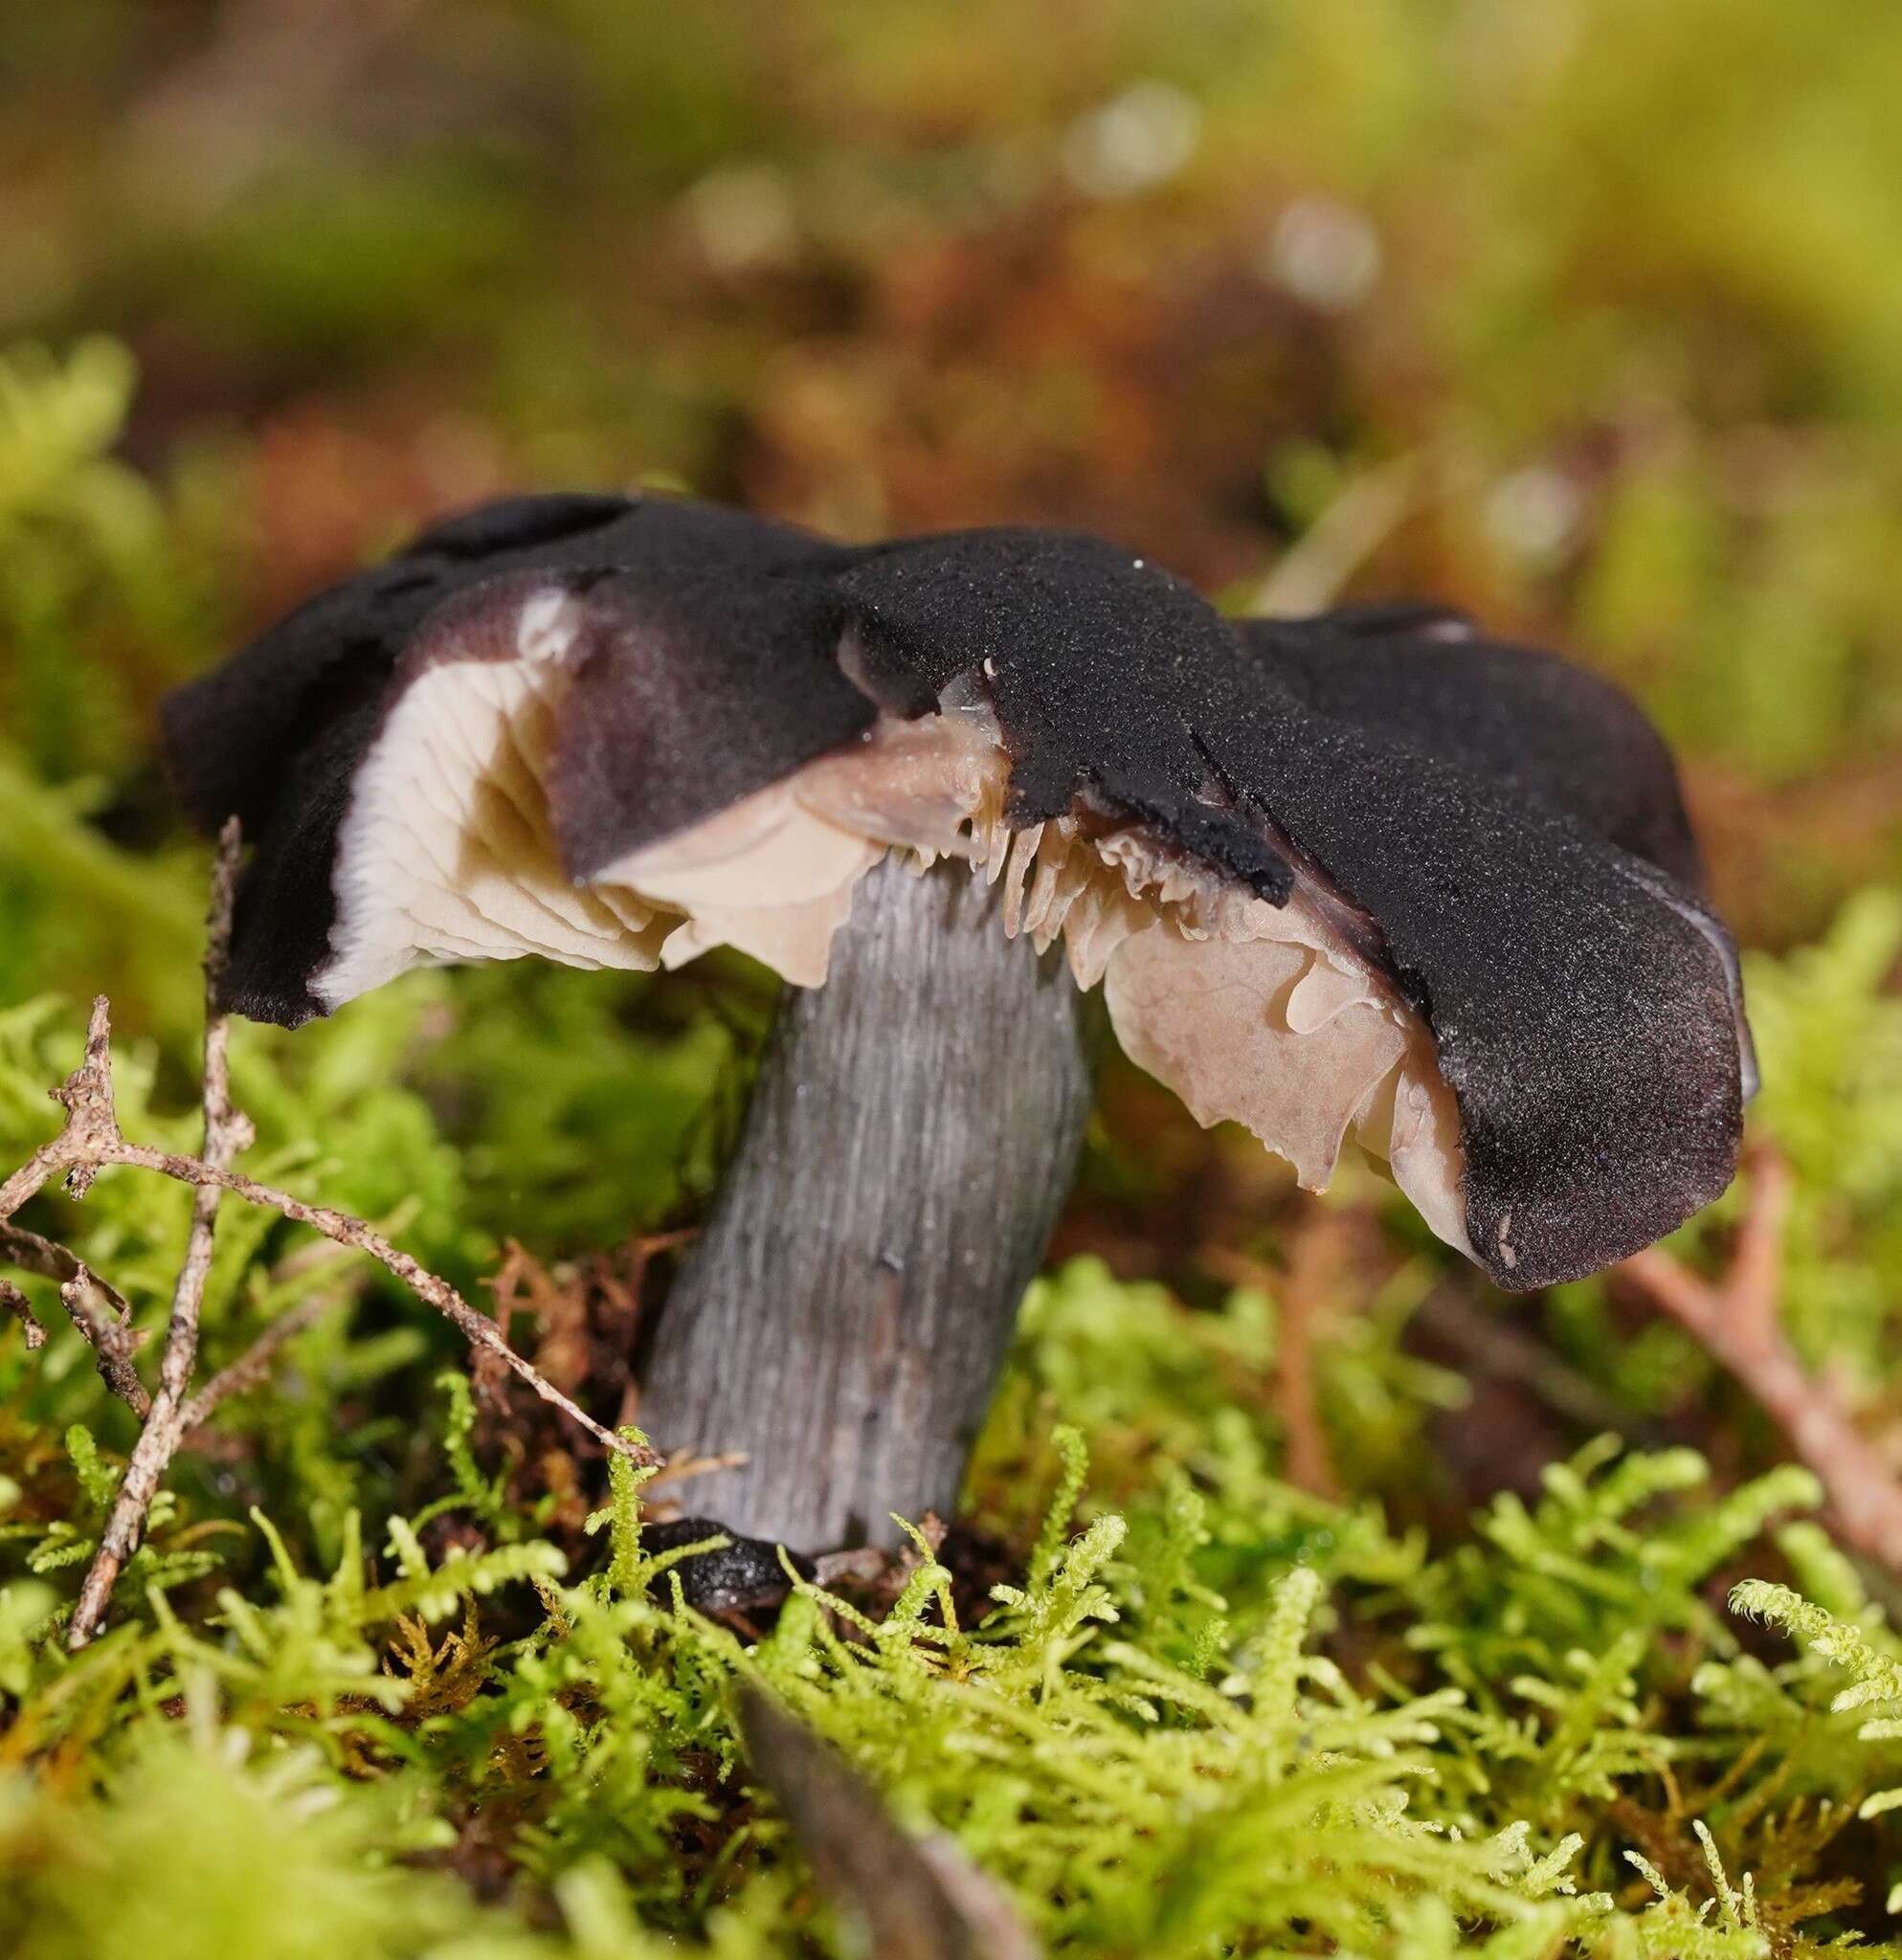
x=1274, y=1017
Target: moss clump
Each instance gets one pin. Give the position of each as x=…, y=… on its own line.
x=1145, y=1766
x=394, y=1673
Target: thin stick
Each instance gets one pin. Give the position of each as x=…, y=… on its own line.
x=98, y=1310
x=1301, y=1297
x=16, y=1303
x=226, y=1132
x=255, y=1363
x=50, y=1260
x=426, y=1285
x=1735, y=1320
x=1354, y=527
x=97, y=1151
x=1304, y=1305
x=86, y=1096
x=89, y=1141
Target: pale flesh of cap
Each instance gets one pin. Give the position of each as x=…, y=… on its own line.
x=1272, y=1016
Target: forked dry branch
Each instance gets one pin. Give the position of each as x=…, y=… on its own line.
x=91, y=1141
x=1735, y=1318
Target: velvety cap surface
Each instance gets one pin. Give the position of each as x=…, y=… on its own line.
x=1498, y=832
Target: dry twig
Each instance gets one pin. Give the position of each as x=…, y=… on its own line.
x=354, y=1232
x=585, y=1318
x=98, y=1310
x=1735, y=1320
x=227, y=1131
x=255, y=1363
x=1301, y=1295
x=16, y=1303
x=1313, y=570
x=911, y=1898
x=90, y=1140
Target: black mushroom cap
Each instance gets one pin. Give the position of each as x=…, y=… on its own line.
x=1421, y=674
x=1501, y=833
x=275, y=736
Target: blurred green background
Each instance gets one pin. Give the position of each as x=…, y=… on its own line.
x=1582, y=315
x=1586, y=315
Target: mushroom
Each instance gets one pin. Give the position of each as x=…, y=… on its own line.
x=1361, y=879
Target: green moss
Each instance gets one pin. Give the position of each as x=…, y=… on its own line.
x=379, y=1682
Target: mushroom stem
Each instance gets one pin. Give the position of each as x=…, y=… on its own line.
x=845, y=1312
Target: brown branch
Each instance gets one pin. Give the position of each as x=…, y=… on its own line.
x=255, y=1363
x=911, y=1898
x=1735, y=1318
x=89, y=1141
x=226, y=1131
x=1313, y=1260
x=99, y=1311
x=94, y=1151
x=354, y=1232
x=680, y=1467
x=86, y=1096
x=1301, y=1297
x=50, y=1260
x=16, y=1303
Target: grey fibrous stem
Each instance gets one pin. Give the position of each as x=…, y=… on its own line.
x=844, y=1314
